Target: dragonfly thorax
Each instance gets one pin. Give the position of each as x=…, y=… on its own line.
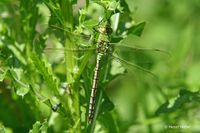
x=103, y=47
x=105, y=30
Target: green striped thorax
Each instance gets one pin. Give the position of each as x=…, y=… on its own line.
x=104, y=29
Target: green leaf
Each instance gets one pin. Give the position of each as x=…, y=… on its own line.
x=137, y=29
x=107, y=105
x=108, y=122
x=66, y=7
x=56, y=16
x=46, y=72
x=125, y=6
x=87, y=3
x=22, y=91
x=18, y=54
x=3, y=74
x=36, y=127
x=39, y=127
x=184, y=97
x=44, y=127
x=2, y=128
x=22, y=88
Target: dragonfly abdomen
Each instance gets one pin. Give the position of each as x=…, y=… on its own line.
x=94, y=89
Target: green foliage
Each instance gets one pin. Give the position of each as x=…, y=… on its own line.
x=39, y=127
x=137, y=29
x=185, y=97
x=46, y=73
x=49, y=91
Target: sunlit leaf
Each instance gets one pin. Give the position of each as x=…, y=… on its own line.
x=2, y=74
x=22, y=91
x=36, y=127
x=2, y=128
x=44, y=127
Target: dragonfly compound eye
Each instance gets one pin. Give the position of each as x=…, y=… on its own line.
x=109, y=30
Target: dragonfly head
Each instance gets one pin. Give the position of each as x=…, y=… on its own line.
x=109, y=29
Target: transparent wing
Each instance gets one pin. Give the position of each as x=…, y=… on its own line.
x=62, y=42
x=130, y=65
x=59, y=54
x=139, y=49
x=74, y=59
x=78, y=36
x=64, y=50
x=140, y=58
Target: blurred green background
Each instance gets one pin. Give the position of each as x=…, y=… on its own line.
x=174, y=27
x=142, y=103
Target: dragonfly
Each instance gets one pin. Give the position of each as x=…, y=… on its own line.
x=104, y=48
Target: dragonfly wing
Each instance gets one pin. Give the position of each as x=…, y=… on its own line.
x=58, y=54
x=144, y=57
x=77, y=36
x=132, y=65
x=138, y=49
x=75, y=48
x=55, y=28
x=63, y=50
